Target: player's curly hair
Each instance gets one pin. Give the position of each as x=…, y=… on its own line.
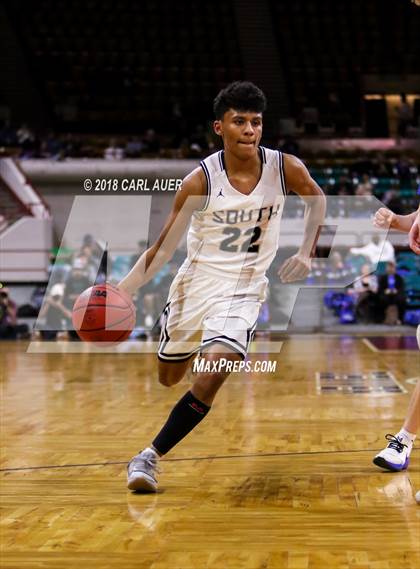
x=241, y=96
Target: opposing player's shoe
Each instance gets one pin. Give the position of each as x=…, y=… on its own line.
x=141, y=472
x=396, y=456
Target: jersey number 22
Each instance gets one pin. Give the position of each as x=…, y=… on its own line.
x=250, y=245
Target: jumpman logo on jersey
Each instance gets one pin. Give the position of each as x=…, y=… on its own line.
x=221, y=193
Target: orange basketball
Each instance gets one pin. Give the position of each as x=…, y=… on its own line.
x=104, y=314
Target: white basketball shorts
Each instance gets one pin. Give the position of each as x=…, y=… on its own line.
x=203, y=310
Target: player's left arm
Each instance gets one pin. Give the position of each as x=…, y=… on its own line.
x=299, y=181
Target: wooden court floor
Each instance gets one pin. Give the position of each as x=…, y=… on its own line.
x=278, y=475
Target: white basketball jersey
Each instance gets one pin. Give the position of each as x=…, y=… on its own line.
x=236, y=235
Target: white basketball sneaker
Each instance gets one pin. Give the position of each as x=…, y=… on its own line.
x=141, y=471
x=396, y=456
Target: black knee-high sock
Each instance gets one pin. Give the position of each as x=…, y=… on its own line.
x=186, y=415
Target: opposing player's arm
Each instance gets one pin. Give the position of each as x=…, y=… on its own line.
x=190, y=197
x=414, y=234
x=299, y=181
x=386, y=219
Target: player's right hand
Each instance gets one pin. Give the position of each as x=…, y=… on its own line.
x=383, y=218
x=295, y=268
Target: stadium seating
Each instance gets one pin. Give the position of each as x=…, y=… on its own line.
x=319, y=62
x=103, y=64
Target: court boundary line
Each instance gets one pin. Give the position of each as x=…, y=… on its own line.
x=373, y=348
x=369, y=344
x=201, y=458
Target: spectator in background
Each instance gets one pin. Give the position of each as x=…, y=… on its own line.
x=77, y=281
x=95, y=259
x=52, y=147
x=9, y=328
x=8, y=135
x=85, y=259
x=365, y=187
x=178, y=125
x=402, y=168
x=177, y=120
x=7, y=316
x=198, y=141
x=316, y=274
x=391, y=293
x=71, y=146
x=344, y=186
x=134, y=147
x=405, y=115
x=337, y=270
x=54, y=313
x=113, y=152
x=363, y=292
x=89, y=241
x=381, y=166
x=24, y=135
x=376, y=251
x=27, y=141
x=151, y=143
x=360, y=205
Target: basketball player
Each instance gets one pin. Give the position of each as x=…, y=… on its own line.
x=396, y=456
x=232, y=204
